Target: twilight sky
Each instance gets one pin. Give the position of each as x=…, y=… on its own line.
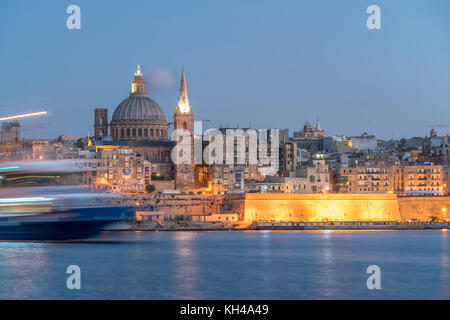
x=267, y=63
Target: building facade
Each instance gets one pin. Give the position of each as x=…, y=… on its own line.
x=405, y=180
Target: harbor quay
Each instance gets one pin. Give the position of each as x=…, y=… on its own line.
x=285, y=212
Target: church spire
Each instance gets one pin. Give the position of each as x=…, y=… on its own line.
x=183, y=101
x=318, y=127
x=183, y=97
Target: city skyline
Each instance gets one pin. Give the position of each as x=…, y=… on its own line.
x=214, y=153
x=323, y=63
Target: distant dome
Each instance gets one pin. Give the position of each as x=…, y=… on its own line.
x=139, y=109
x=307, y=126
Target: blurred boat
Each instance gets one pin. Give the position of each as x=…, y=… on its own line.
x=56, y=213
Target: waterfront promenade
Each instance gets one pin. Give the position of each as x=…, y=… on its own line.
x=221, y=226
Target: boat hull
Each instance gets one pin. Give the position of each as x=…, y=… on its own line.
x=52, y=231
x=75, y=224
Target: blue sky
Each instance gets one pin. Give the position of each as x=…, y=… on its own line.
x=267, y=63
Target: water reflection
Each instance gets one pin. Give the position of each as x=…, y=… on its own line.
x=266, y=260
x=186, y=270
x=445, y=289
x=22, y=264
x=328, y=275
x=232, y=265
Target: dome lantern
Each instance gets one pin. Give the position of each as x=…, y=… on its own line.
x=138, y=84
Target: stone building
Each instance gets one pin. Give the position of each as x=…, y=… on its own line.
x=310, y=138
x=369, y=179
x=364, y=142
x=312, y=178
x=10, y=132
x=100, y=123
x=138, y=117
x=230, y=176
x=10, y=144
x=441, y=154
x=407, y=180
x=423, y=180
x=310, y=132
x=117, y=170
x=289, y=158
x=337, y=144
x=139, y=123
x=183, y=120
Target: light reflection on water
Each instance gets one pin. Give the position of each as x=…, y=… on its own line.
x=231, y=265
x=185, y=263
x=444, y=265
x=18, y=262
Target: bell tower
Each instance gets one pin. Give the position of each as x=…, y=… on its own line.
x=100, y=123
x=183, y=118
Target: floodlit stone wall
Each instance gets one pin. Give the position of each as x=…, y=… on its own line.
x=321, y=207
x=300, y=207
x=423, y=208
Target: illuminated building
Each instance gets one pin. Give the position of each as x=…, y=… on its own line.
x=423, y=180
x=231, y=177
x=138, y=117
x=312, y=178
x=183, y=119
x=40, y=148
x=115, y=169
x=369, y=179
x=408, y=180
x=138, y=123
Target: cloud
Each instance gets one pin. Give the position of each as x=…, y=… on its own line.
x=160, y=79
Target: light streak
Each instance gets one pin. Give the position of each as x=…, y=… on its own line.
x=9, y=168
x=25, y=115
x=21, y=200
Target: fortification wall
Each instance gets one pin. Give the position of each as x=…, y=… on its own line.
x=175, y=204
x=321, y=207
x=299, y=207
x=423, y=208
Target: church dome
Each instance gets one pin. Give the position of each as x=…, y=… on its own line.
x=138, y=117
x=139, y=109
